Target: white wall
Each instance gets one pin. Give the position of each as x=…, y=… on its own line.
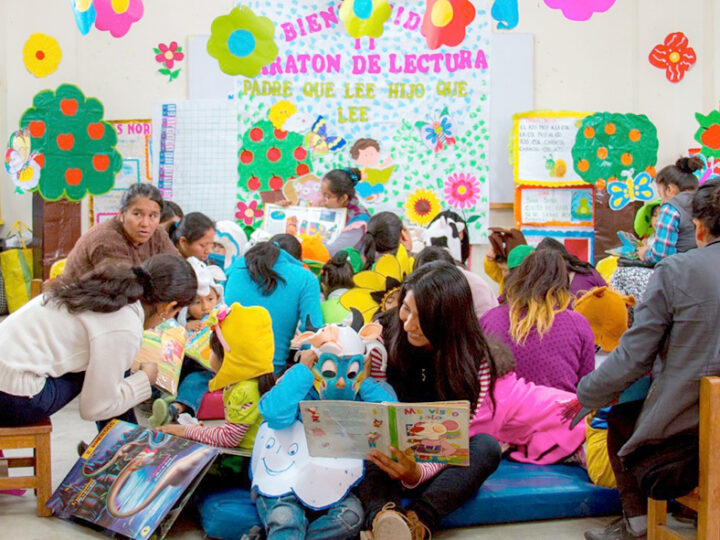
x=591, y=66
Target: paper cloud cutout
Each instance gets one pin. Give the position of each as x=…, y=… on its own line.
x=580, y=10
x=281, y=464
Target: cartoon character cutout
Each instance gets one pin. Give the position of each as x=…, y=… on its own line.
x=373, y=438
x=432, y=437
x=342, y=355
x=375, y=173
x=22, y=164
x=281, y=464
x=304, y=190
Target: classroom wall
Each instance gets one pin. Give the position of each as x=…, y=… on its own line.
x=590, y=66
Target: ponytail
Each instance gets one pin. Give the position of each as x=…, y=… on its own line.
x=337, y=272
x=681, y=174
x=343, y=181
x=260, y=260
x=111, y=287
x=383, y=236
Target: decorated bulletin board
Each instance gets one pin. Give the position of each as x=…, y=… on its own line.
x=133, y=143
x=566, y=206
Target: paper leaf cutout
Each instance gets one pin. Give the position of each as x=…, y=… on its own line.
x=269, y=156
x=74, y=145
x=445, y=22
x=365, y=17
x=84, y=11
x=117, y=16
x=41, y=54
x=609, y=143
x=167, y=55
x=242, y=42
x=580, y=10
x=674, y=56
x=21, y=163
x=505, y=12
x=708, y=134
x=422, y=206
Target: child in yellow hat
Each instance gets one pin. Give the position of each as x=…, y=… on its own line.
x=242, y=346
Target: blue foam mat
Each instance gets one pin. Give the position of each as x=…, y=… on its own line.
x=515, y=492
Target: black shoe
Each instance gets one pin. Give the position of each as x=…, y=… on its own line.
x=617, y=530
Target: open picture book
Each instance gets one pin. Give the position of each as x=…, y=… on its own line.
x=426, y=432
x=165, y=346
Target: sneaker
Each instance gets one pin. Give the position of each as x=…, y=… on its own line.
x=617, y=530
x=418, y=529
x=162, y=413
x=389, y=524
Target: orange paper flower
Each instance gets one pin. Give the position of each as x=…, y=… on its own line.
x=674, y=56
x=445, y=22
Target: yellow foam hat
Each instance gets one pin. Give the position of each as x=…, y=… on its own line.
x=249, y=345
x=606, y=311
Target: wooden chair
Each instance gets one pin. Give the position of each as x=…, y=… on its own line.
x=705, y=500
x=37, y=437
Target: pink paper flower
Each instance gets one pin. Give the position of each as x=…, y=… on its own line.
x=674, y=56
x=117, y=16
x=248, y=213
x=169, y=54
x=462, y=190
x=580, y=10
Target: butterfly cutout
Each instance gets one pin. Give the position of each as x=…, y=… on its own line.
x=319, y=141
x=623, y=192
x=438, y=132
x=22, y=164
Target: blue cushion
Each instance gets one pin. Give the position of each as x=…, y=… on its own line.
x=515, y=492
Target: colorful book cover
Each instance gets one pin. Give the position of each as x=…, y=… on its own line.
x=426, y=432
x=164, y=345
x=198, y=347
x=130, y=478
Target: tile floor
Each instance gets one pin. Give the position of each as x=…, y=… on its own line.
x=18, y=520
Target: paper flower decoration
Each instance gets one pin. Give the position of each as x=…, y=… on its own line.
x=248, y=213
x=365, y=17
x=422, y=206
x=674, y=56
x=462, y=190
x=445, y=22
x=609, y=143
x=378, y=289
x=117, y=16
x=242, y=42
x=168, y=55
x=75, y=147
x=505, y=12
x=42, y=54
x=580, y=10
x=84, y=11
x=708, y=134
x=21, y=163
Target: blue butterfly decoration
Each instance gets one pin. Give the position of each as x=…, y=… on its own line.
x=84, y=11
x=319, y=141
x=623, y=192
x=505, y=12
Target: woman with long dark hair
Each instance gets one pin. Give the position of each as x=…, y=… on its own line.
x=581, y=274
x=271, y=275
x=82, y=336
x=553, y=345
x=436, y=352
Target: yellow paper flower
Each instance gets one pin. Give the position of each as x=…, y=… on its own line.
x=422, y=206
x=377, y=289
x=365, y=17
x=42, y=55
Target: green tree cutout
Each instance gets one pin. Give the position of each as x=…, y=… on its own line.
x=77, y=146
x=708, y=134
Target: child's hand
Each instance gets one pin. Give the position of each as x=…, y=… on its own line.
x=194, y=326
x=308, y=357
x=490, y=255
x=173, y=429
x=641, y=251
x=404, y=469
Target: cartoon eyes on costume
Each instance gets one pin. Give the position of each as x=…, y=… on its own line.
x=270, y=443
x=293, y=449
x=328, y=369
x=353, y=370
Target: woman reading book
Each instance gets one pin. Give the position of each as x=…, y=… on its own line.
x=436, y=352
x=80, y=338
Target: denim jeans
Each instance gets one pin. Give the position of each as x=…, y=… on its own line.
x=193, y=388
x=285, y=518
x=443, y=493
x=55, y=394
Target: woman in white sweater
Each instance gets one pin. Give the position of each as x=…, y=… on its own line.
x=81, y=337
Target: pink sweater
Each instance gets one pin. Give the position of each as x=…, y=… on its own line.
x=529, y=417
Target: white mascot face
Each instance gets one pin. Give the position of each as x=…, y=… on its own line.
x=281, y=464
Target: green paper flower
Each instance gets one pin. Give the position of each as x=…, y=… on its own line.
x=242, y=42
x=708, y=134
x=75, y=145
x=365, y=17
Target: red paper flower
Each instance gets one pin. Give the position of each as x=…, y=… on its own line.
x=674, y=56
x=169, y=54
x=445, y=22
x=248, y=213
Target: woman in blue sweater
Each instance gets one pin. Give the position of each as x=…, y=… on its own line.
x=271, y=275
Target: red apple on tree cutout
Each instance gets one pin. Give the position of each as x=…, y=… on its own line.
x=101, y=162
x=37, y=129
x=69, y=107
x=96, y=130
x=65, y=141
x=73, y=176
